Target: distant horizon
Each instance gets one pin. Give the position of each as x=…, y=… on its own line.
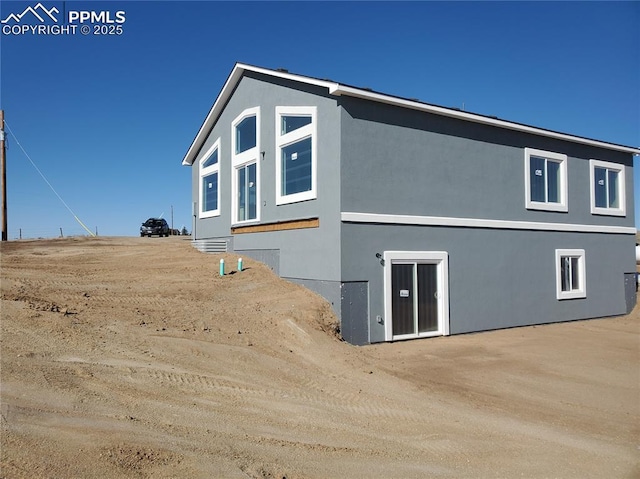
x=107, y=113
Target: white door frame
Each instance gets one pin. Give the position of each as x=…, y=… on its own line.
x=441, y=260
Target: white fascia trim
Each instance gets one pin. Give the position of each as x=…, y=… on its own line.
x=336, y=89
x=212, y=116
x=339, y=90
x=288, y=76
x=227, y=91
x=351, y=217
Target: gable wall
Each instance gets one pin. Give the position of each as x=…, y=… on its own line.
x=304, y=254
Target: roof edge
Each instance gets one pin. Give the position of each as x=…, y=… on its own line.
x=338, y=89
x=225, y=94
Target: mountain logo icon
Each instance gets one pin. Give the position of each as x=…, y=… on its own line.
x=39, y=11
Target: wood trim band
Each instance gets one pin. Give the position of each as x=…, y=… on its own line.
x=277, y=226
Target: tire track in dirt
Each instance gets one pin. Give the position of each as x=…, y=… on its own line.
x=25, y=336
x=318, y=386
x=311, y=393
x=231, y=374
x=87, y=293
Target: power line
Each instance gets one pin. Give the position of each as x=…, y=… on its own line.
x=47, y=181
x=3, y=173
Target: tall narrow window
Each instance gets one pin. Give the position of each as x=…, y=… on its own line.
x=209, y=189
x=245, y=140
x=545, y=180
x=607, y=188
x=246, y=180
x=295, y=154
x=570, y=274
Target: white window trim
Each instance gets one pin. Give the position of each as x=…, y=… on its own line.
x=245, y=158
x=621, y=192
x=578, y=293
x=562, y=206
x=441, y=259
x=206, y=172
x=292, y=137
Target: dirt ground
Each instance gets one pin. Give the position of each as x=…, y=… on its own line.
x=132, y=357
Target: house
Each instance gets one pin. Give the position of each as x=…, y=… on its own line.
x=411, y=219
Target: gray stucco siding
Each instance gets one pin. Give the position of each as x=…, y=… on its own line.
x=303, y=253
x=497, y=278
x=253, y=92
x=329, y=290
x=400, y=161
x=382, y=159
x=311, y=253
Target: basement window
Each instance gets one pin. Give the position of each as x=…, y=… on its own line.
x=296, y=148
x=209, y=192
x=545, y=180
x=570, y=274
x=607, y=188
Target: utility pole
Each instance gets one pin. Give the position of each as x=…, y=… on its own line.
x=3, y=167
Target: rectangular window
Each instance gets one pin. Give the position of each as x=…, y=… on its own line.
x=245, y=140
x=545, y=180
x=247, y=207
x=209, y=193
x=570, y=274
x=607, y=188
x=296, y=154
x=296, y=171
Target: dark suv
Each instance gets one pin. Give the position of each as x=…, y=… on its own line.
x=155, y=226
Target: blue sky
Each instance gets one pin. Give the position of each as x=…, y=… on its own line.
x=108, y=119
